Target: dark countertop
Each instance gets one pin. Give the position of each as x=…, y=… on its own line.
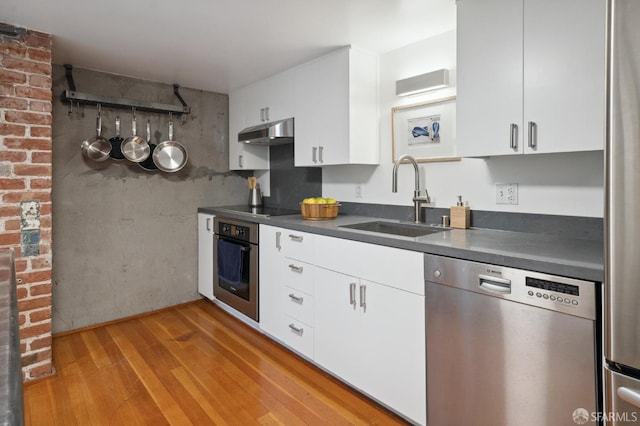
x=575, y=258
x=11, y=408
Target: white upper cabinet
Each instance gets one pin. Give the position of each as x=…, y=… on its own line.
x=336, y=109
x=531, y=76
x=267, y=100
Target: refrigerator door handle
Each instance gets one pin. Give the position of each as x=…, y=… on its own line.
x=629, y=395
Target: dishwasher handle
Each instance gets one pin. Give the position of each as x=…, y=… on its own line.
x=494, y=285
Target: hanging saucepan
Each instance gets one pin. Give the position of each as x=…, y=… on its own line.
x=116, y=142
x=135, y=148
x=169, y=155
x=97, y=148
x=148, y=164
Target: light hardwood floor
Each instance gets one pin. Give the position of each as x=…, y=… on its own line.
x=194, y=364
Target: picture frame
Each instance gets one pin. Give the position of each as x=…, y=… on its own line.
x=425, y=130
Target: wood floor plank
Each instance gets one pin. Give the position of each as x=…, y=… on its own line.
x=194, y=364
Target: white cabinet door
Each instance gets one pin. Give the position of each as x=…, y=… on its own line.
x=270, y=99
x=564, y=75
x=337, y=324
x=489, y=77
x=243, y=156
x=270, y=279
x=531, y=76
x=336, y=109
x=373, y=336
x=205, y=255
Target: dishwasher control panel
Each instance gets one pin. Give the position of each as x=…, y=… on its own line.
x=562, y=294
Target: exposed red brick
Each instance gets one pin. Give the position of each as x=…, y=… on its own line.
x=21, y=265
x=39, y=55
x=17, y=251
x=45, y=209
x=12, y=48
x=31, y=304
x=16, y=197
x=22, y=319
x=11, y=129
x=38, y=40
x=28, y=143
x=13, y=156
x=40, y=106
x=42, y=342
x=40, y=289
x=31, y=170
x=9, y=211
x=40, y=184
x=40, y=132
x=9, y=238
x=7, y=89
x=12, y=76
x=40, y=371
x=12, y=225
x=38, y=316
x=27, y=117
x=13, y=103
x=22, y=293
x=41, y=157
x=45, y=222
x=40, y=81
x=11, y=183
x=33, y=277
x=35, y=357
x=33, y=93
x=40, y=263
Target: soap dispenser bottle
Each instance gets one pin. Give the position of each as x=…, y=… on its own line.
x=460, y=215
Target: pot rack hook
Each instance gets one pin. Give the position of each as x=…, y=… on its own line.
x=185, y=107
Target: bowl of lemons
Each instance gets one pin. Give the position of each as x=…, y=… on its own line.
x=319, y=208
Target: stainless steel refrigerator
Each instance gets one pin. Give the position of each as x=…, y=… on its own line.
x=622, y=217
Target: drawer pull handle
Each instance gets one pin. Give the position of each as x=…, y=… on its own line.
x=297, y=238
x=363, y=296
x=278, y=245
x=296, y=330
x=352, y=294
x=296, y=298
x=295, y=268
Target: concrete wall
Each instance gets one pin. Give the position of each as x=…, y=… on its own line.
x=569, y=184
x=126, y=239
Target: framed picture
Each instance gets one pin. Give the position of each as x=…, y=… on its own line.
x=426, y=131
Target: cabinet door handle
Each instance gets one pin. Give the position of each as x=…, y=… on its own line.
x=261, y=114
x=363, y=296
x=240, y=161
x=320, y=149
x=278, y=235
x=296, y=299
x=295, y=268
x=296, y=330
x=266, y=114
x=352, y=294
x=297, y=238
x=533, y=135
x=208, y=224
x=514, y=137
x=314, y=154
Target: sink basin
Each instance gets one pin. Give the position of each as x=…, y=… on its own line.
x=402, y=229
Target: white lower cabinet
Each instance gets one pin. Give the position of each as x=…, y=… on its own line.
x=373, y=336
x=205, y=255
x=355, y=309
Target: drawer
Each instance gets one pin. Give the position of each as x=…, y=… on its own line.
x=297, y=245
x=298, y=275
x=297, y=335
x=297, y=305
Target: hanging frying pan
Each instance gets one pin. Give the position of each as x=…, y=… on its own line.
x=148, y=164
x=135, y=148
x=116, y=143
x=96, y=148
x=169, y=155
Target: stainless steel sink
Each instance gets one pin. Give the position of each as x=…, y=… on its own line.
x=402, y=229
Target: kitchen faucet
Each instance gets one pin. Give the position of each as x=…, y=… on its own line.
x=418, y=197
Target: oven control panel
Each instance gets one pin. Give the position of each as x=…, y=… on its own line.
x=234, y=231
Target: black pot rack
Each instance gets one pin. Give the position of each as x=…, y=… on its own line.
x=72, y=95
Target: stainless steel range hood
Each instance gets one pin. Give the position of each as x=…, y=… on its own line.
x=273, y=133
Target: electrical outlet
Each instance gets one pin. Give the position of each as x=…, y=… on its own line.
x=358, y=190
x=506, y=193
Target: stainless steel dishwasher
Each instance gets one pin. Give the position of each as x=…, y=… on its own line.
x=510, y=347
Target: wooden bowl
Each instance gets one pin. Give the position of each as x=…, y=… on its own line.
x=319, y=211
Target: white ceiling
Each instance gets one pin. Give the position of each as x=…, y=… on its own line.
x=220, y=45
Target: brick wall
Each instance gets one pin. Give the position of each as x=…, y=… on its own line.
x=25, y=180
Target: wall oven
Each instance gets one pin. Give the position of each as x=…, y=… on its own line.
x=235, y=265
